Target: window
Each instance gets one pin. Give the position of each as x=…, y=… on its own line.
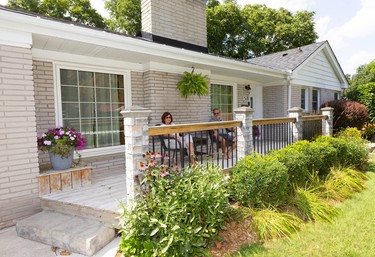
x=303, y=98
x=91, y=103
x=315, y=101
x=336, y=96
x=222, y=98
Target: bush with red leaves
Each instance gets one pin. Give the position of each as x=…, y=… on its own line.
x=347, y=114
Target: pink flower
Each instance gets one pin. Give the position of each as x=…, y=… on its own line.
x=142, y=166
x=163, y=173
x=151, y=163
x=56, y=137
x=47, y=142
x=72, y=138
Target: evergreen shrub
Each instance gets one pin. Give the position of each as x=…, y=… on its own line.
x=257, y=181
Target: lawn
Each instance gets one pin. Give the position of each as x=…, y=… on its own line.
x=351, y=233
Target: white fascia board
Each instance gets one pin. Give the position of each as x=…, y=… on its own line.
x=45, y=55
x=15, y=38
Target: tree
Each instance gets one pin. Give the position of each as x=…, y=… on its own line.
x=256, y=30
x=225, y=28
x=125, y=15
x=72, y=10
x=362, y=88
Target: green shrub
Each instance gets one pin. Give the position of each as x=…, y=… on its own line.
x=347, y=114
x=296, y=163
x=258, y=181
x=177, y=213
x=322, y=155
x=357, y=150
x=369, y=132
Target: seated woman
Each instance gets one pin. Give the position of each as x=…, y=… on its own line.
x=172, y=139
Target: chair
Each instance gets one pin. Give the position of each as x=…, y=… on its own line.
x=165, y=148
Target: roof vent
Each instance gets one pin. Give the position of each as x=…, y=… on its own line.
x=285, y=54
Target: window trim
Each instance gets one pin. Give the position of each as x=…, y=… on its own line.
x=58, y=102
x=226, y=83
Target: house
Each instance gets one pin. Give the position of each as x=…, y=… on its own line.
x=56, y=72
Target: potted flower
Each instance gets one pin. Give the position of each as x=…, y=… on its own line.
x=60, y=143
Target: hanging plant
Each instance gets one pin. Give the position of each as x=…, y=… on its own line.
x=193, y=84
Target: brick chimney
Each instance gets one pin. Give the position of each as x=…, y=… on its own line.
x=180, y=23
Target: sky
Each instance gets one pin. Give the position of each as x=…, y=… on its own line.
x=348, y=25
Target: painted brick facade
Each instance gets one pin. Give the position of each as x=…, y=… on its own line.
x=183, y=20
x=161, y=95
x=18, y=150
x=275, y=101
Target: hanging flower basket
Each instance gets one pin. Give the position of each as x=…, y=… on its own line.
x=193, y=84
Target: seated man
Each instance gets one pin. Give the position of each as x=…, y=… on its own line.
x=226, y=138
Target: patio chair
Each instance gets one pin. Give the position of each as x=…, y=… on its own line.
x=166, y=149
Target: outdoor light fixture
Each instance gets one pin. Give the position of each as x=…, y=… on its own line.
x=248, y=87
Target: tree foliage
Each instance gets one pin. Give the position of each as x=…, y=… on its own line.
x=256, y=30
x=125, y=15
x=362, y=88
x=72, y=10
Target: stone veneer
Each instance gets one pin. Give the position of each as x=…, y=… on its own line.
x=18, y=150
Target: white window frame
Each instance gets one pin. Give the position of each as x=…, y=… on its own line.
x=58, y=103
x=226, y=83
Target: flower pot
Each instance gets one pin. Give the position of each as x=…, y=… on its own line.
x=60, y=163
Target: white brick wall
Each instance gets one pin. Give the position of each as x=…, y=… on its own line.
x=183, y=20
x=275, y=101
x=161, y=95
x=18, y=149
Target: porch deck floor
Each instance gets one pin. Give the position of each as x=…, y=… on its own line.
x=105, y=193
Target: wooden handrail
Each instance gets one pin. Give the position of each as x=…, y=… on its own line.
x=183, y=128
x=314, y=117
x=273, y=121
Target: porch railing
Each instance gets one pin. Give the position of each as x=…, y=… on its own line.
x=272, y=134
x=312, y=126
x=207, y=149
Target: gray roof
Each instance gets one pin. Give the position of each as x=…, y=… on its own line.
x=288, y=59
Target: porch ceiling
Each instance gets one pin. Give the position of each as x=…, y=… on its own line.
x=148, y=52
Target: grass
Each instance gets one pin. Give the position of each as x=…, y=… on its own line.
x=350, y=234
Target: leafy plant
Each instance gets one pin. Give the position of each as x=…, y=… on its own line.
x=258, y=181
x=347, y=114
x=193, y=84
x=61, y=140
x=177, y=213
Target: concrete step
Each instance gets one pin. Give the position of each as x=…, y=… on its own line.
x=74, y=233
x=108, y=217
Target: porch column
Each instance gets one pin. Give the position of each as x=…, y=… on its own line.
x=296, y=113
x=245, y=132
x=136, y=144
x=327, y=124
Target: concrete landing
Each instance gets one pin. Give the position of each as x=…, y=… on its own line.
x=76, y=234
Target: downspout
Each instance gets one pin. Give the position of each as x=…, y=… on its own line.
x=288, y=78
